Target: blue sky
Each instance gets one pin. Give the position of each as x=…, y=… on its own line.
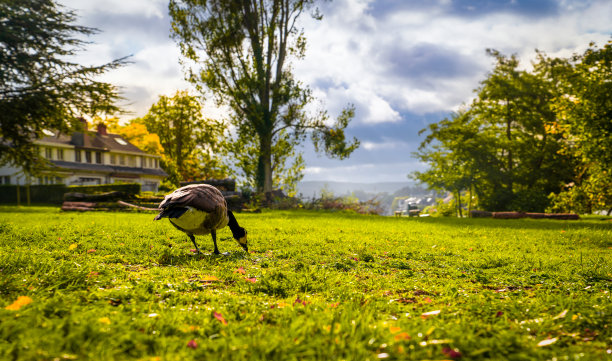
x=402, y=63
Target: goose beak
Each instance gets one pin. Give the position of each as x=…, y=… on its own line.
x=243, y=243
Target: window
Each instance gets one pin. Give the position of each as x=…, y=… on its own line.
x=5, y=179
x=121, y=159
x=88, y=156
x=60, y=154
x=113, y=159
x=49, y=153
x=132, y=161
x=155, y=163
x=99, y=157
x=77, y=155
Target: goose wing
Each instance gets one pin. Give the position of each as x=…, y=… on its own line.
x=200, y=196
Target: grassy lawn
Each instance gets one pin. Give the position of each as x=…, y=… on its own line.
x=106, y=286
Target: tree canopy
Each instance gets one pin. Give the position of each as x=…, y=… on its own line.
x=241, y=51
x=40, y=88
x=192, y=145
x=531, y=140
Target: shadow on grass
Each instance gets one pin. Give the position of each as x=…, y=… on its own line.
x=206, y=257
x=525, y=223
x=33, y=208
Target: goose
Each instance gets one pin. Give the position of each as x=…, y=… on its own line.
x=200, y=209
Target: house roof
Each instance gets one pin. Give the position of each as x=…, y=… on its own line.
x=116, y=171
x=93, y=140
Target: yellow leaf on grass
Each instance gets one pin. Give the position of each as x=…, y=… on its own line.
x=394, y=329
x=105, y=320
x=72, y=246
x=20, y=302
x=402, y=336
x=209, y=279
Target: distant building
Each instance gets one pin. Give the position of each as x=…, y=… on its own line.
x=89, y=158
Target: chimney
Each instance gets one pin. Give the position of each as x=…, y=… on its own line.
x=102, y=129
x=84, y=123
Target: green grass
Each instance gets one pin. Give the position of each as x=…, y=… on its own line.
x=327, y=286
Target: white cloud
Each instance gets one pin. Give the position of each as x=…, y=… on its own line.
x=386, y=144
x=367, y=172
x=145, y=8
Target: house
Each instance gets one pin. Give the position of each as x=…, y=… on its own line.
x=89, y=158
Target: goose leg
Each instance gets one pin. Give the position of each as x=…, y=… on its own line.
x=192, y=238
x=213, y=233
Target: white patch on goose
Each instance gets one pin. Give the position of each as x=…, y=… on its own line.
x=190, y=220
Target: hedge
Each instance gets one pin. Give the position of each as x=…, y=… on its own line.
x=54, y=193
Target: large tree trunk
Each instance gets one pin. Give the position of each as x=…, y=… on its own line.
x=264, y=167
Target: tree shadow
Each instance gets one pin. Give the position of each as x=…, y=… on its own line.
x=523, y=223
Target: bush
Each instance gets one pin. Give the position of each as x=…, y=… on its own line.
x=54, y=193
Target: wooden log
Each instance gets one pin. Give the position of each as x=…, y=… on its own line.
x=79, y=204
x=508, y=215
x=560, y=216
x=80, y=209
x=101, y=197
x=227, y=184
x=137, y=207
x=480, y=214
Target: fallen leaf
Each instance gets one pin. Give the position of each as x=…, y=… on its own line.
x=452, y=353
x=72, y=246
x=282, y=304
x=252, y=280
x=427, y=299
x=547, y=342
x=334, y=305
x=20, y=302
x=297, y=300
x=91, y=250
x=192, y=344
x=104, y=320
x=499, y=314
x=219, y=317
x=208, y=279
x=240, y=270
x=561, y=315
x=394, y=329
x=153, y=314
x=402, y=336
x=430, y=313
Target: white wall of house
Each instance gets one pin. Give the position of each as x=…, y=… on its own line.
x=53, y=151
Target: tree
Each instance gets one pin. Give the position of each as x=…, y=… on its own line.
x=286, y=173
x=39, y=87
x=500, y=148
x=241, y=51
x=583, y=103
x=191, y=144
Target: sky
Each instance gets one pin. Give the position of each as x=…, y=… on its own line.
x=403, y=63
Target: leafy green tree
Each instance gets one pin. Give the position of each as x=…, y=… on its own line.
x=40, y=88
x=584, y=107
x=241, y=51
x=287, y=164
x=500, y=148
x=192, y=146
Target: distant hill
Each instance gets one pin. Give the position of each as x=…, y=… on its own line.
x=311, y=189
x=384, y=192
